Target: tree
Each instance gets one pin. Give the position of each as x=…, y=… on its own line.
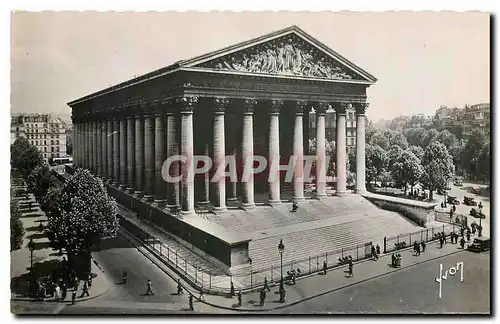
x=40, y=180
x=16, y=226
x=417, y=150
x=380, y=139
x=351, y=159
x=437, y=166
x=470, y=153
x=25, y=157
x=415, y=136
x=484, y=162
x=398, y=139
x=447, y=138
x=82, y=216
x=329, y=152
x=369, y=131
x=392, y=156
x=376, y=159
x=430, y=136
x=407, y=170
x=385, y=177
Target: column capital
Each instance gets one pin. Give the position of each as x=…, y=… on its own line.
x=340, y=107
x=276, y=106
x=321, y=107
x=300, y=107
x=187, y=104
x=249, y=105
x=220, y=105
x=360, y=108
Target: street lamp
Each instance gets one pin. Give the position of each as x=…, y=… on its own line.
x=480, y=218
x=281, y=249
x=31, y=247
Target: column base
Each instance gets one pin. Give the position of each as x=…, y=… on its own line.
x=298, y=198
x=121, y=187
x=341, y=193
x=148, y=198
x=130, y=190
x=220, y=209
x=138, y=194
x=248, y=205
x=187, y=212
x=274, y=202
x=360, y=191
x=159, y=203
x=320, y=196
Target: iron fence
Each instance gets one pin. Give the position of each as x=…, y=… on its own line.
x=401, y=241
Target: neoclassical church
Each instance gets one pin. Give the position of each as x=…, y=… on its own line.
x=249, y=99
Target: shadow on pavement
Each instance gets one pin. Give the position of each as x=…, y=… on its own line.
x=20, y=284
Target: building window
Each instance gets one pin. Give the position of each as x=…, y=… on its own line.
x=36, y=143
x=45, y=149
x=52, y=149
x=51, y=142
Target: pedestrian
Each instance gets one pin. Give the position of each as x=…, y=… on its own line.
x=462, y=231
x=418, y=249
x=239, y=298
x=89, y=280
x=350, y=268
x=468, y=236
x=441, y=241
x=73, y=297
x=262, y=297
x=423, y=246
x=64, y=290
x=201, y=295
x=393, y=260
x=266, y=284
x=179, y=287
x=57, y=293
x=191, y=302
x=293, y=276
x=462, y=242
x=374, y=253
x=378, y=249
x=232, y=289
x=85, y=289
x=149, y=288
x=324, y=267
x=415, y=244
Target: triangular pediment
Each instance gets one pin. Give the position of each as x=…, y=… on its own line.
x=293, y=53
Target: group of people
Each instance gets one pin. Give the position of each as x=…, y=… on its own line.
x=59, y=288
x=396, y=260
x=375, y=252
x=417, y=246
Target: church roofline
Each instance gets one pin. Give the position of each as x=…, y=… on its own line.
x=189, y=63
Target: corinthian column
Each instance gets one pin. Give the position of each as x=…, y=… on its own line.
x=99, y=147
x=173, y=188
x=139, y=156
x=109, y=147
x=116, y=152
x=123, y=153
x=274, y=152
x=340, y=147
x=130, y=153
x=219, y=142
x=149, y=160
x=187, y=150
x=85, y=147
x=360, y=148
x=89, y=144
x=247, y=154
x=74, y=138
x=159, y=157
x=95, y=155
x=298, y=151
x=321, y=162
x=104, y=148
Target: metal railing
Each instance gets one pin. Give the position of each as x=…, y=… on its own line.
x=401, y=241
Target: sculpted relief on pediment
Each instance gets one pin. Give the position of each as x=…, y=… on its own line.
x=288, y=55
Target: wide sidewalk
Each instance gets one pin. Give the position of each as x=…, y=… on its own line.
x=43, y=253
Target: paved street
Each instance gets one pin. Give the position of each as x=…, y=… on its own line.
x=412, y=290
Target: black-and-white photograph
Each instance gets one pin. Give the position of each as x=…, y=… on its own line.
x=202, y=163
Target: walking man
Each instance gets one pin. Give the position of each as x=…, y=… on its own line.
x=149, y=288
x=191, y=302
x=201, y=295
x=262, y=297
x=324, y=267
x=462, y=242
x=73, y=297
x=266, y=285
x=232, y=289
x=418, y=249
x=378, y=249
x=179, y=287
x=350, y=268
x=85, y=290
x=239, y=298
x=423, y=246
x=468, y=236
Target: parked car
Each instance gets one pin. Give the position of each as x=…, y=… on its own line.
x=480, y=244
x=453, y=200
x=476, y=191
x=476, y=213
x=469, y=201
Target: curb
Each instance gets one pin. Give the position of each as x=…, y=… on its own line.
x=326, y=292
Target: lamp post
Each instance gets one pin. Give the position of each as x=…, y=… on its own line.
x=281, y=249
x=480, y=218
x=31, y=246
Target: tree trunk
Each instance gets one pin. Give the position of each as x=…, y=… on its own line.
x=431, y=195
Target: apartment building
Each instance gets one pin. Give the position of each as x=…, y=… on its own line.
x=330, y=126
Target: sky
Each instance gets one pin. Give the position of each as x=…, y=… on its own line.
x=422, y=60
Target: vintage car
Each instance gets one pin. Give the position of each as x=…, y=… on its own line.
x=469, y=201
x=480, y=244
x=476, y=213
x=476, y=190
x=453, y=200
